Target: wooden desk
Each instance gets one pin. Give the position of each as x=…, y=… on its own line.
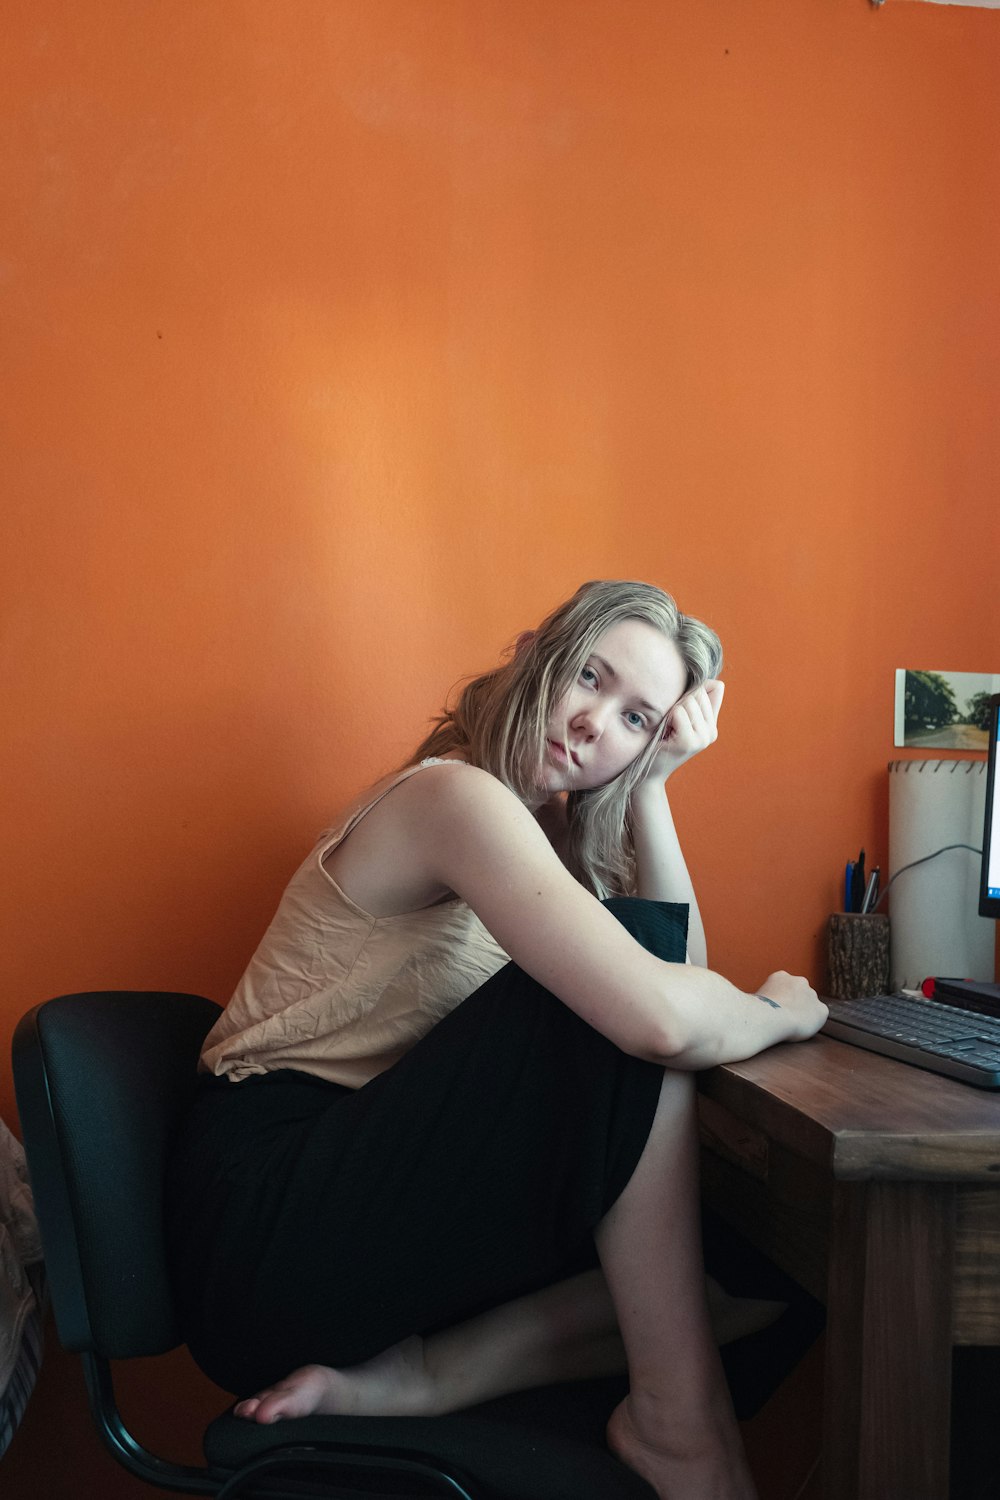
x=877, y=1186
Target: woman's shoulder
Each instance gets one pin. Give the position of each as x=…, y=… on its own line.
x=436, y=774
x=451, y=777
x=452, y=794
x=386, y=856
x=480, y=793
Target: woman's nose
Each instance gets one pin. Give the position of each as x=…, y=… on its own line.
x=589, y=721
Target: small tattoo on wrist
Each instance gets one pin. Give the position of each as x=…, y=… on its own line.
x=772, y=1003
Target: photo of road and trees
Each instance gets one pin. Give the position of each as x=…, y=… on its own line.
x=944, y=710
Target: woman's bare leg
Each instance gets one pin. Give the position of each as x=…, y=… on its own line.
x=563, y=1332
x=676, y=1426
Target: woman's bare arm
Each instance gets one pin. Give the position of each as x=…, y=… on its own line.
x=462, y=829
x=660, y=868
x=661, y=871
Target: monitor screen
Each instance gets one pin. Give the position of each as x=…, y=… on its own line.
x=989, y=889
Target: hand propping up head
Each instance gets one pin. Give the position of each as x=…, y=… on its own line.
x=690, y=727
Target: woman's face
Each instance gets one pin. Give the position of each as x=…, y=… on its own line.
x=627, y=686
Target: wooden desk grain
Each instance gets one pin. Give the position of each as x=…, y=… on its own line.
x=878, y=1187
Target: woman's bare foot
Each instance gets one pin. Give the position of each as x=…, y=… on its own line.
x=394, y=1383
x=713, y=1467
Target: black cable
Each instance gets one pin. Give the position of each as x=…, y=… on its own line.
x=913, y=864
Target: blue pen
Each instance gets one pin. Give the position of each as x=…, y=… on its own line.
x=849, y=886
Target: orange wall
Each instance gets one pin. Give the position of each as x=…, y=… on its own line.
x=341, y=338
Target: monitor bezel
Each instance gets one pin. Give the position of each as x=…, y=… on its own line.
x=989, y=906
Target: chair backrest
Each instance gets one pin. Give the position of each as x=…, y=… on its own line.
x=100, y=1078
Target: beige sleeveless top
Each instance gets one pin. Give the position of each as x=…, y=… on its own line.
x=335, y=991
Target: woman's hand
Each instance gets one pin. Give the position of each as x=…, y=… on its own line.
x=690, y=727
x=805, y=1012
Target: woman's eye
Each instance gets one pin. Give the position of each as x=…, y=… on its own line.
x=587, y=674
x=637, y=721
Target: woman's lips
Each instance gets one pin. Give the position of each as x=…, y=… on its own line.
x=559, y=753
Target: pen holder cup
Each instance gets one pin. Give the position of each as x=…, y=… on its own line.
x=858, y=954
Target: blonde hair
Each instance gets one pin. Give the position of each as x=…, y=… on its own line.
x=499, y=720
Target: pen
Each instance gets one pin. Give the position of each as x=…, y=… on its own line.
x=859, y=883
x=871, y=892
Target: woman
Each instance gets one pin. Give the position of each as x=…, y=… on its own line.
x=401, y=1203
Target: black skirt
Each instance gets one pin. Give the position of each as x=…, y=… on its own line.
x=311, y=1223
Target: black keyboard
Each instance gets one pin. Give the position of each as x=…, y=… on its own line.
x=959, y=1043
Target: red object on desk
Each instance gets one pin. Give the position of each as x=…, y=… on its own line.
x=929, y=985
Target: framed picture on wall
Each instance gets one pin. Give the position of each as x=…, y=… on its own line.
x=943, y=710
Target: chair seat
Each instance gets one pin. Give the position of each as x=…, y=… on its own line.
x=534, y=1445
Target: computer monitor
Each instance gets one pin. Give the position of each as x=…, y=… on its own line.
x=989, y=888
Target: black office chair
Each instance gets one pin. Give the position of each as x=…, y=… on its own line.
x=100, y=1079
